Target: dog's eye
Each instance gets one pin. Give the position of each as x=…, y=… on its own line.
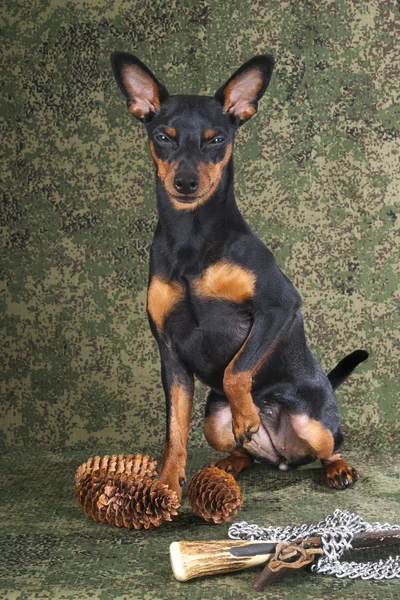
x=163, y=139
x=217, y=140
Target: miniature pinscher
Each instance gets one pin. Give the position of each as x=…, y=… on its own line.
x=218, y=305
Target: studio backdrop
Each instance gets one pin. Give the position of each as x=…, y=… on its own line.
x=316, y=176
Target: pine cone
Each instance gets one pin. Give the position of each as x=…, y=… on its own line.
x=214, y=495
x=131, y=464
x=127, y=498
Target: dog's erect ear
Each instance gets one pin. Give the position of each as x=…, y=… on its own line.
x=239, y=96
x=144, y=93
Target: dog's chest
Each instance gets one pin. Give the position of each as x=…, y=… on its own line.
x=225, y=280
x=207, y=316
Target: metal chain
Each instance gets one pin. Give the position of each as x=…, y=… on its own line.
x=336, y=532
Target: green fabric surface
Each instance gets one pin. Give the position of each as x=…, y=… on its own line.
x=316, y=176
x=51, y=549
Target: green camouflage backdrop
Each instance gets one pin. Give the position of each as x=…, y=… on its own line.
x=317, y=177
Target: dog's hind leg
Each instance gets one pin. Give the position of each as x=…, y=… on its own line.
x=218, y=433
x=339, y=475
x=237, y=461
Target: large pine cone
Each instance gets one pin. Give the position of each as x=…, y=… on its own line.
x=214, y=495
x=131, y=464
x=120, y=490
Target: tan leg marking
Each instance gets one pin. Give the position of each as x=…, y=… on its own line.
x=237, y=386
x=226, y=280
x=245, y=416
x=162, y=297
x=339, y=474
x=314, y=434
x=175, y=453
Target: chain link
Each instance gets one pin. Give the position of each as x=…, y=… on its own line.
x=336, y=532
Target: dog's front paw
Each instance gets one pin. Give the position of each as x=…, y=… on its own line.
x=245, y=426
x=340, y=475
x=175, y=481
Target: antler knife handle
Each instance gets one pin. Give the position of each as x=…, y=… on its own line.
x=195, y=559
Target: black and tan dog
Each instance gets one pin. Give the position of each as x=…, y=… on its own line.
x=219, y=306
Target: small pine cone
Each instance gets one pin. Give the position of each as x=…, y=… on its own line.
x=214, y=495
x=131, y=464
x=109, y=494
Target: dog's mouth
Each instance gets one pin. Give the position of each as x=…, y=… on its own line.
x=189, y=199
x=186, y=199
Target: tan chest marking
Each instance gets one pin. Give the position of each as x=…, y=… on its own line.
x=162, y=297
x=226, y=280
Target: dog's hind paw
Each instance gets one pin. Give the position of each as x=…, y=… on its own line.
x=340, y=475
x=235, y=462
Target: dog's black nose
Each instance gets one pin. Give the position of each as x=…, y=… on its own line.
x=186, y=182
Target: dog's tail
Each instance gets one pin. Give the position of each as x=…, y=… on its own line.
x=345, y=367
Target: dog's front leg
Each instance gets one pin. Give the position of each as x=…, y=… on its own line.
x=178, y=386
x=267, y=330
